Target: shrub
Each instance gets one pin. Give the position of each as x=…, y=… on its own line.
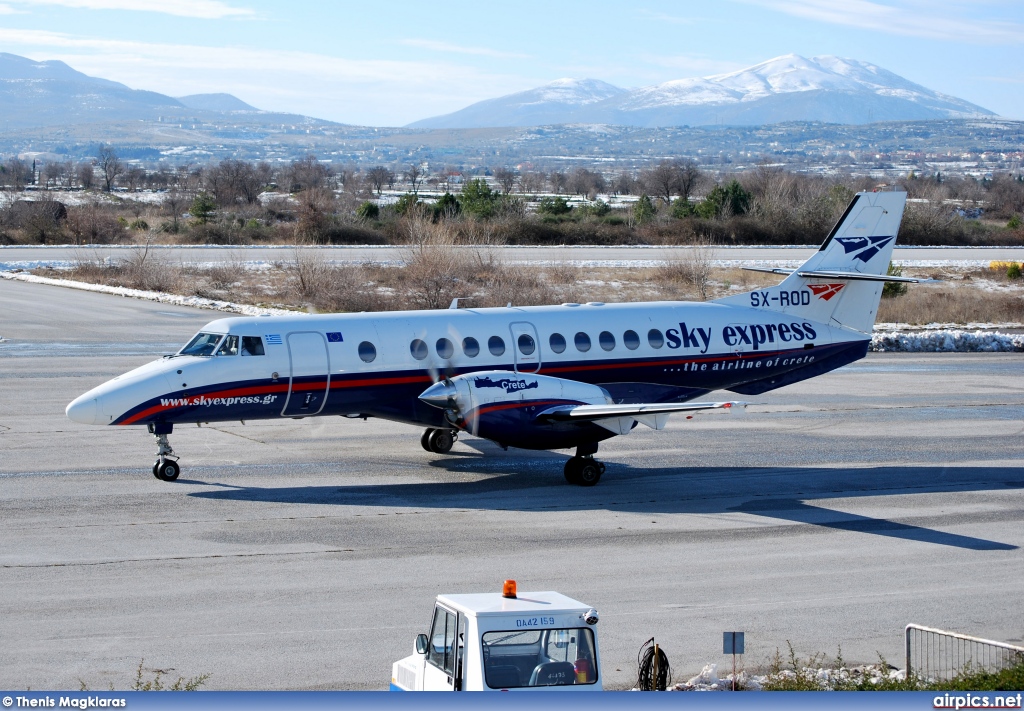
x=892, y=289
x=407, y=202
x=1013, y=271
x=203, y=207
x=681, y=208
x=643, y=210
x=447, y=206
x=1015, y=223
x=478, y=199
x=368, y=211
x=139, y=225
x=554, y=206
x=598, y=208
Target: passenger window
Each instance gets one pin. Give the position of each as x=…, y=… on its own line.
x=496, y=346
x=631, y=340
x=229, y=347
x=418, y=349
x=445, y=349
x=252, y=346
x=470, y=347
x=441, y=652
x=367, y=352
x=557, y=342
x=582, y=342
x=526, y=344
x=655, y=338
x=607, y=340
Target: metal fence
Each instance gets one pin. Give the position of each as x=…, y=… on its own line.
x=937, y=654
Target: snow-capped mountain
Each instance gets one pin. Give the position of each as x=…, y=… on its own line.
x=557, y=102
x=787, y=88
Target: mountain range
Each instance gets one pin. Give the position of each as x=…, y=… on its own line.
x=35, y=94
x=788, y=88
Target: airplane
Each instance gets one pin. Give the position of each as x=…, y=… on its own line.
x=536, y=377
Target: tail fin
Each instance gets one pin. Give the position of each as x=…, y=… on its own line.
x=841, y=284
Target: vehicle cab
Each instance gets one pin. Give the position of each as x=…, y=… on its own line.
x=505, y=641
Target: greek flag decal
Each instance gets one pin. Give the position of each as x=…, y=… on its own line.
x=273, y=339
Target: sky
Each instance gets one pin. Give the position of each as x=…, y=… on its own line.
x=391, y=63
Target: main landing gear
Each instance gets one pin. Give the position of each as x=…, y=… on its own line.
x=583, y=469
x=438, y=441
x=166, y=467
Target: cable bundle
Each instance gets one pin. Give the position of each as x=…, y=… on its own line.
x=647, y=679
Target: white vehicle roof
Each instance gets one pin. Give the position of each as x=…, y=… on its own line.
x=493, y=604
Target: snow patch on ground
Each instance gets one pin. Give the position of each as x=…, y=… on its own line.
x=946, y=341
x=708, y=679
x=193, y=301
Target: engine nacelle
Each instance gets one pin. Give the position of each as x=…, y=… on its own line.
x=502, y=406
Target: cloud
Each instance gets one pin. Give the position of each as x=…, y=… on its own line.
x=369, y=92
x=434, y=46
x=913, y=20
x=203, y=9
x=662, y=17
x=8, y=10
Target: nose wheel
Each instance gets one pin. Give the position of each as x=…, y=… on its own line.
x=438, y=441
x=166, y=467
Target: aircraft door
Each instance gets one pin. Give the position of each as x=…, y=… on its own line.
x=310, y=378
x=526, y=347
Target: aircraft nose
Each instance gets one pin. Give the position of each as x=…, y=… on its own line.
x=440, y=394
x=83, y=409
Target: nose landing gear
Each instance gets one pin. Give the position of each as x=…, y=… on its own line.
x=166, y=467
x=438, y=441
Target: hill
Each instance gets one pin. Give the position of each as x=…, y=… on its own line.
x=788, y=88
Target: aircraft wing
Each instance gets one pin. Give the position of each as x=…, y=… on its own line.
x=621, y=418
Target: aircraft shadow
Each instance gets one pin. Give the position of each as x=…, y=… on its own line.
x=530, y=483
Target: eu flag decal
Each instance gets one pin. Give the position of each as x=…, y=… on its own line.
x=334, y=337
x=273, y=339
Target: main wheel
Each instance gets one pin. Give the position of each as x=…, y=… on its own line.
x=156, y=464
x=441, y=441
x=167, y=470
x=425, y=439
x=590, y=472
x=572, y=470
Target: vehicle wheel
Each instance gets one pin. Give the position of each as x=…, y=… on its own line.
x=590, y=472
x=167, y=470
x=425, y=439
x=572, y=471
x=155, y=465
x=441, y=441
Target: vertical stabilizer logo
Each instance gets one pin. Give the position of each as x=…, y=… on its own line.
x=864, y=248
x=825, y=291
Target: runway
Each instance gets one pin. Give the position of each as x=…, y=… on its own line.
x=306, y=554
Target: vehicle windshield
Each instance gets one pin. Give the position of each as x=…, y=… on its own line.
x=539, y=657
x=204, y=344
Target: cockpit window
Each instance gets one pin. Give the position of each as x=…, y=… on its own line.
x=252, y=346
x=204, y=344
x=229, y=347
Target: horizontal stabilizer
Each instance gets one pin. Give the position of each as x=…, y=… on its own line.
x=857, y=276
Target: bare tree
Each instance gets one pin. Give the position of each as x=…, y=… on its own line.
x=531, y=182
x=378, y=176
x=506, y=178
x=559, y=181
x=110, y=166
x=85, y=175
x=414, y=174
x=16, y=174
x=176, y=201
x=449, y=177
x=134, y=177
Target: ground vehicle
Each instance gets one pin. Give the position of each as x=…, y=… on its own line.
x=504, y=641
